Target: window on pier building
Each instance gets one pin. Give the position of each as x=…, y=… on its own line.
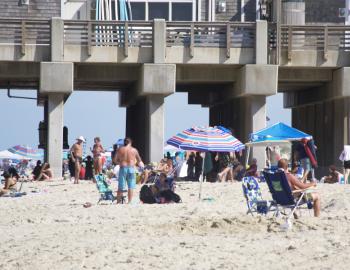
x=147, y=10
x=158, y=11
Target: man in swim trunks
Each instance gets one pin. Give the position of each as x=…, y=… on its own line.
x=97, y=151
x=77, y=157
x=127, y=157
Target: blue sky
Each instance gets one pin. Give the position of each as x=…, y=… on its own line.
x=20, y=117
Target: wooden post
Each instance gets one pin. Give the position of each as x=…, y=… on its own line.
x=126, y=39
x=23, y=38
x=290, y=35
x=192, y=41
x=89, y=37
x=228, y=40
x=325, y=49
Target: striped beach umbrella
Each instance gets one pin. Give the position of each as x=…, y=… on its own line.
x=206, y=139
x=26, y=152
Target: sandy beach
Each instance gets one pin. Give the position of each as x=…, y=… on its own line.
x=50, y=229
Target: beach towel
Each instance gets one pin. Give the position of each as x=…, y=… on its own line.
x=310, y=151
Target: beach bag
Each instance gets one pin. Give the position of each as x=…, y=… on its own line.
x=183, y=170
x=146, y=195
x=170, y=196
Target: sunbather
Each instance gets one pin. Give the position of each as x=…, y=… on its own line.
x=334, y=176
x=46, y=173
x=295, y=184
x=10, y=184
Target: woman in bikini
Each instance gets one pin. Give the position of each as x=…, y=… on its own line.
x=97, y=151
x=10, y=184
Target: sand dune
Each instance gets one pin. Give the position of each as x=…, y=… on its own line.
x=50, y=229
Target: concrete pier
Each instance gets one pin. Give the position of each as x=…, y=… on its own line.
x=56, y=84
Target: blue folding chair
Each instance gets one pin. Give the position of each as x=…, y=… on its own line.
x=106, y=193
x=253, y=196
x=282, y=193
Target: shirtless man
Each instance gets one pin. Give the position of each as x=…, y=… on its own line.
x=295, y=184
x=127, y=157
x=77, y=157
x=97, y=151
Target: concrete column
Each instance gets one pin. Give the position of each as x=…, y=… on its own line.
x=255, y=118
x=261, y=42
x=145, y=126
x=155, y=128
x=159, y=41
x=328, y=123
x=56, y=83
x=136, y=125
x=244, y=116
x=55, y=132
x=57, y=39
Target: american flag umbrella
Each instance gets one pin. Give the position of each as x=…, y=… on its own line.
x=26, y=152
x=206, y=139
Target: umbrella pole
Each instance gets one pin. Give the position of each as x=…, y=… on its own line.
x=247, y=157
x=201, y=179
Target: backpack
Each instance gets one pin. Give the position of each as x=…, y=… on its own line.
x=146, y=195
x=170, y=196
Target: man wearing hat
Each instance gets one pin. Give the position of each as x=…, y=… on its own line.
x=77, y=156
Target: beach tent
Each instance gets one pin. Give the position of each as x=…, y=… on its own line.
x=277, y=134
x=27, y=152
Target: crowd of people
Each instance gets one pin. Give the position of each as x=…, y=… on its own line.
x=129, y=168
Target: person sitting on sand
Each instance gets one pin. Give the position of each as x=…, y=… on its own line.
x=334, y=176
x=295, y=184
x=46, y=173
x=10, y=184
x=37, y=170
x=162, y=183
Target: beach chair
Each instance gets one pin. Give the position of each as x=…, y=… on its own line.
x=106, y=193
x=282, y=194
x=253, y=196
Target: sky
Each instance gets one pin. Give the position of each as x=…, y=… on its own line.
x=20, y=117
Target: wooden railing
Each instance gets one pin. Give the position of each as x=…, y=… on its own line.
x=128, y=34
x=25, y=32
x=210, y=34
x=108, y=33
x=314, y=37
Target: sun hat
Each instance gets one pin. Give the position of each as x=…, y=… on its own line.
x=81, y=138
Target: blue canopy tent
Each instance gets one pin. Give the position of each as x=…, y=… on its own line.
x=277, y=134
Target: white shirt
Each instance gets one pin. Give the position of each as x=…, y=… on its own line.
x=345, y=155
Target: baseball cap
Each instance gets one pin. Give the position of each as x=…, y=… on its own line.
x=81, y=138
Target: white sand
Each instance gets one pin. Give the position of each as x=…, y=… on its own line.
x=52, y=230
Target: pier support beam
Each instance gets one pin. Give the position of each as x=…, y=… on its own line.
x=56, y=83
x=145, y=111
